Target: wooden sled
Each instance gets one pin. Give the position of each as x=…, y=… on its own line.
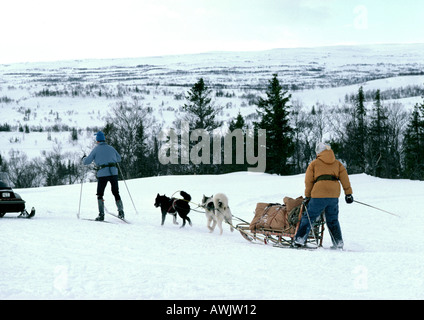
x=280, y=237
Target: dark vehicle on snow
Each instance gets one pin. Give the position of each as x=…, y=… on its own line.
x=10, y=201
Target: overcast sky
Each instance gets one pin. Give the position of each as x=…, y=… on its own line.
x=49, y=30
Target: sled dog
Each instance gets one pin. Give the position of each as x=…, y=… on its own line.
x=173, y=206
x=217, y=210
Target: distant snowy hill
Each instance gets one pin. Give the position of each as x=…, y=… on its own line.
x=57, y=96
x=56, y=256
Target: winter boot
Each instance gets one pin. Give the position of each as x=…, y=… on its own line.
x=120, y=206
x=337, y=245
x=101, y=204
x=296, y=245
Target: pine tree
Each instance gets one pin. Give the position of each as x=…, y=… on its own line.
x=274, y=118
x=143, y=165
x=200, y=112
x=353, y=143
x=361, y=130
x=378, y=153
x=237, y=124
x=413, y=145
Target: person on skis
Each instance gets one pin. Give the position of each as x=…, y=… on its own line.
x=106, y=159
x=322, y=192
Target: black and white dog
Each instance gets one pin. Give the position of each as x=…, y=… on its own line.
x=217, y=210
x=174, y=206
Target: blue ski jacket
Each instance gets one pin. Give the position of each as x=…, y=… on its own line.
x=106, y=158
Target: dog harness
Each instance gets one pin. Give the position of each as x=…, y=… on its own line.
x=172, y=207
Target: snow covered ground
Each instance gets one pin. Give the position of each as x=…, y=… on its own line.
x=56, y=256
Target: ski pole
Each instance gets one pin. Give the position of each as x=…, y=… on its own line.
x=312, y=227
x=79, y=207
x=82, y=182
x=364, y=204
x=123, y=178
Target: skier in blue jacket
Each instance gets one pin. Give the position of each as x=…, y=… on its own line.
x=106, y=159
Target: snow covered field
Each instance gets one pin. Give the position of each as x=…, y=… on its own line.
x=56, y=256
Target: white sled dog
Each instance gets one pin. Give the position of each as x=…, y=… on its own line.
x=217, y=210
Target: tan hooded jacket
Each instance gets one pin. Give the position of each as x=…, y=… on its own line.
x=326, y=164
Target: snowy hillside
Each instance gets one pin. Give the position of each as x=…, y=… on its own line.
x=55, y=255
x=54, y=97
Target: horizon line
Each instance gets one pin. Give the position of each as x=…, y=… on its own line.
x=215, y=51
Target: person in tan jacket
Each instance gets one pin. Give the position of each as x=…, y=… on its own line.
x=322, y=192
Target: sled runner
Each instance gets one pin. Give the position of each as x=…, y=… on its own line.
x=10, y=201
x=278, y=223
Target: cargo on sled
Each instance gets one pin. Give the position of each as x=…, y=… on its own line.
x=278, y=223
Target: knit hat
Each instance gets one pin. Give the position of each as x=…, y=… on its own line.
x=100, y=136
x=320, y=147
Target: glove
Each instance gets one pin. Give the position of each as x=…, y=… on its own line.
x=306, y=200
x=349, y=198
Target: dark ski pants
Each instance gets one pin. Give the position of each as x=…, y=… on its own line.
x=315, y=207
x=101, y=185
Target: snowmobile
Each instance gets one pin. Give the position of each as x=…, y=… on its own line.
x=10, y=201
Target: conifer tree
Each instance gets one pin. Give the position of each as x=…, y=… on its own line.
x=413, y=145
x=353, y=143
x=200, y=111
x=201, y=114
x=361, y=130
x=378, y=153
x=237, y=124
x=274, y=118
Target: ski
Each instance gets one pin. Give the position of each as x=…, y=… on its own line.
x=117, y=217
x=86, y=219
x=25, y=215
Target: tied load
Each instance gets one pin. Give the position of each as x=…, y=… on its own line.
x=277, y=216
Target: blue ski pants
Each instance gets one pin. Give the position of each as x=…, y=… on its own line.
x=316, y=206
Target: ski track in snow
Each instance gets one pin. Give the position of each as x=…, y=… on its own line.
x=56, y=256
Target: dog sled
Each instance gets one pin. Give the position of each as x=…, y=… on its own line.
x=277, y=224
x=273, y=222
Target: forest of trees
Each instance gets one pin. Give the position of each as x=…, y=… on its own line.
x=382, y=140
